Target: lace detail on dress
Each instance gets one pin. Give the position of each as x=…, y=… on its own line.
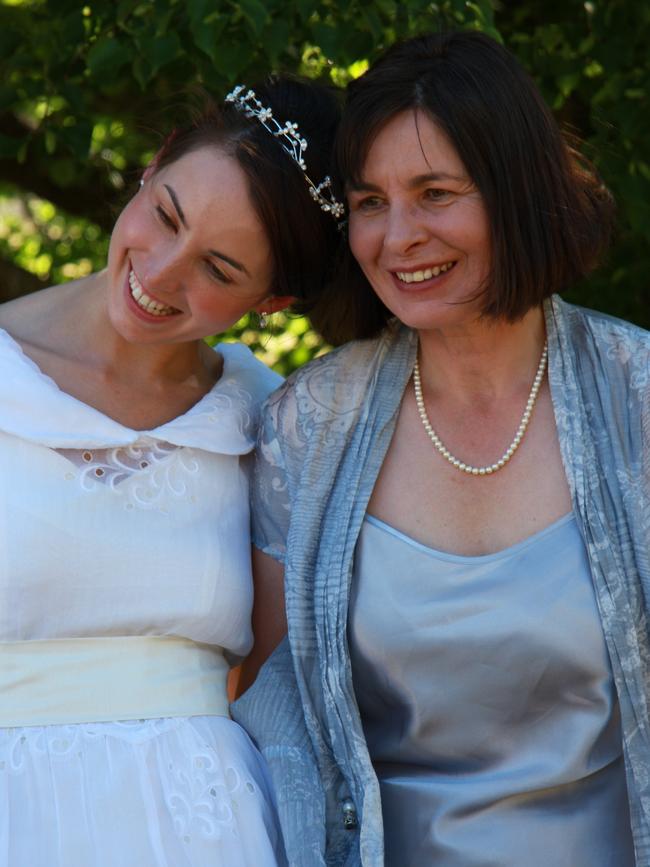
x=143, y=473
x=203, y=794
x=112, y=466
x=203, y=789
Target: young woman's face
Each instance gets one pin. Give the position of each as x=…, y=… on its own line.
x=188, y=255
x=418, y=225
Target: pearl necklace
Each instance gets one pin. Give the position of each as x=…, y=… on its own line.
x=514, y=445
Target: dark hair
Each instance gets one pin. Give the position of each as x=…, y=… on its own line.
x=303, y=238
x=550, y=216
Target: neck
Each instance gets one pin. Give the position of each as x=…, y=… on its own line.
x=113, y=357
x=482, y=361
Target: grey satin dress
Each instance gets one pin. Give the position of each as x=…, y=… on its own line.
x=488, y=705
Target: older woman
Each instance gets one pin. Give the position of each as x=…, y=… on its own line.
x=460, y=502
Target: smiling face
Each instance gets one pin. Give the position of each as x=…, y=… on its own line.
x=418, y=225
x=188, y=255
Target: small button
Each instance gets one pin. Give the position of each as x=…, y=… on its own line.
x=350, y=821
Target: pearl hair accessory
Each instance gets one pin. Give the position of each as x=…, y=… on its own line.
x=292, y=143
x=514, y=445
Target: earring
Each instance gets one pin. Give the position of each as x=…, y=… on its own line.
x=141, y=182
x=262, y=320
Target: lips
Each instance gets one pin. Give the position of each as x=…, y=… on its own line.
x=145, y=302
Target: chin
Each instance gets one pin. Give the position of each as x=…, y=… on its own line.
x=439, y=314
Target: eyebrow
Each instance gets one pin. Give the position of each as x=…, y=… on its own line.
x=181, y=216
x=417, y=181
x=177, y=205
x=233, y=262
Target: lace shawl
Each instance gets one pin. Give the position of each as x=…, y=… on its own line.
x=322, y=443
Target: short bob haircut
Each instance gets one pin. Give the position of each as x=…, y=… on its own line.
x=550, y=215
x=304, y=240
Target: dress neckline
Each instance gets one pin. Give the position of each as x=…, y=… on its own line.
x=33, y=406
x=52, y=383
x=477, y=558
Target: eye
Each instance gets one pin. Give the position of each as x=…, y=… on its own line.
x=366, y=203
x=165, y=219
x=435, y=194
x=216, y=273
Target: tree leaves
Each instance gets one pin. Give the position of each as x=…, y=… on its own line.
x=255, y=14
x=108, y=55
x=154, y=53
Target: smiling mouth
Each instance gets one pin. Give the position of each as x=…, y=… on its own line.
x=149, y=305
x=424, y=274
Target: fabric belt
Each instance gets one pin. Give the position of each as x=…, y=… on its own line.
x=83, y=680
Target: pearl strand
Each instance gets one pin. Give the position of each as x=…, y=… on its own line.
x=514, y=445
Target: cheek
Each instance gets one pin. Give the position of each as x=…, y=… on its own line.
x=474, y=230
x=217, y=305
x=482, y=251
x=362, y=239
x=128, y=230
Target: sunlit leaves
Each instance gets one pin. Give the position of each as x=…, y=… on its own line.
x=287, y=342
x=38, y=238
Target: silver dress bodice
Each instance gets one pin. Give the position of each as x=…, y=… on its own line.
x=488, y=705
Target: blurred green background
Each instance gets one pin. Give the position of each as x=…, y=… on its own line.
x=87, y=90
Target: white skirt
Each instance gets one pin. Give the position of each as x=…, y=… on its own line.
x=190, y=792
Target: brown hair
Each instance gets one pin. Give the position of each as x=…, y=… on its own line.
x=303, y=238
x=550, y=215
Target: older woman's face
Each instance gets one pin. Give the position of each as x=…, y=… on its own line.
x=418, y=225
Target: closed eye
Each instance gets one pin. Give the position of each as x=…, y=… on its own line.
x=165, y=218
x=216, y=273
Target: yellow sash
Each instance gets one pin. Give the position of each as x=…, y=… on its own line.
x=77, y=680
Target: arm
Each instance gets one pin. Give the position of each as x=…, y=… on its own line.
x=269, y=618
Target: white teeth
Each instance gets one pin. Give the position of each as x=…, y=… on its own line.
x=426, y=274
x=144, y=301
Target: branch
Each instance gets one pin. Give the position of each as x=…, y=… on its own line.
x=92, y=198
x=91, y=201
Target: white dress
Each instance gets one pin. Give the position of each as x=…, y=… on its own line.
x=106, y=531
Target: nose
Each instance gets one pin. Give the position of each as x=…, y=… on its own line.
x=163, y=270
x=405, y=228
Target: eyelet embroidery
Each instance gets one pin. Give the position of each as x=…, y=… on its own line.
x=113, y=466
x=143, y=474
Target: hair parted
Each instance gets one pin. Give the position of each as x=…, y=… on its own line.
x=550, y=215
x=304, y=239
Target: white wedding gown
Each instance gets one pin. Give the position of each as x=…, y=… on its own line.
x=108, y=532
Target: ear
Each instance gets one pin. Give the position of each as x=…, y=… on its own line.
x=150, y=170
x=274, y=303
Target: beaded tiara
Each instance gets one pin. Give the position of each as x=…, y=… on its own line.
x=292, y=143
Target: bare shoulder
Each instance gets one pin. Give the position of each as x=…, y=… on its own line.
x=24, y=316
x=32, y=319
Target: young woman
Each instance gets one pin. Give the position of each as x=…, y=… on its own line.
x=460, y=501
x=125, y=566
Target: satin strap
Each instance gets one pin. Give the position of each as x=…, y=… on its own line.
x=83, y=680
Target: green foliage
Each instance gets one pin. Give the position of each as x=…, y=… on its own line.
x=86, y=90
x=592, y=63
x=45, y=242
